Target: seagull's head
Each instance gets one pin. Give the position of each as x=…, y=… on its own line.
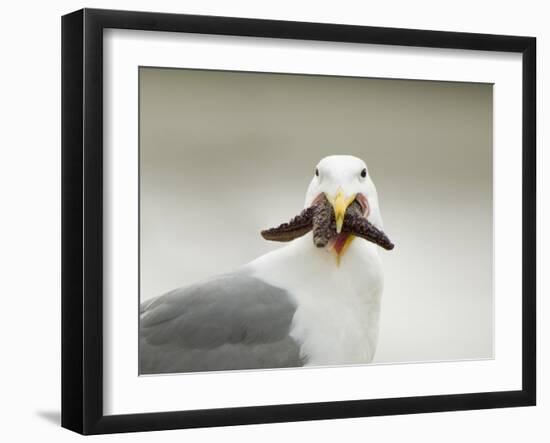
x=343, y=179
x=341, y=204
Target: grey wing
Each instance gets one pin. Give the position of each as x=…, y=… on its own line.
x=233, y=321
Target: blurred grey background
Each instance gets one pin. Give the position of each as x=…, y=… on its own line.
x=226, y=154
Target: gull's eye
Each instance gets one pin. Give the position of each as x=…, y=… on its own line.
x=364, y=173
x=317, y=172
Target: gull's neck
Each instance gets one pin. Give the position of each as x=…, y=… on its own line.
x=300, y=263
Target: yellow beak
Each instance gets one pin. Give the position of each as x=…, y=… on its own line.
x=340, y=203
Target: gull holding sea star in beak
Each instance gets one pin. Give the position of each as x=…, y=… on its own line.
x=313, y=302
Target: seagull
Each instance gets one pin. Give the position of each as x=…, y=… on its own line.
x=313, y=302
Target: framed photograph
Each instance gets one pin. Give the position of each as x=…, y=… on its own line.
x=269, y=221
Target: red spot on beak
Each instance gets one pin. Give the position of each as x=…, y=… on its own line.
x=340, y=242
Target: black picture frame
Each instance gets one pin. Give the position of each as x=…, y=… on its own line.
x=82, y=220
